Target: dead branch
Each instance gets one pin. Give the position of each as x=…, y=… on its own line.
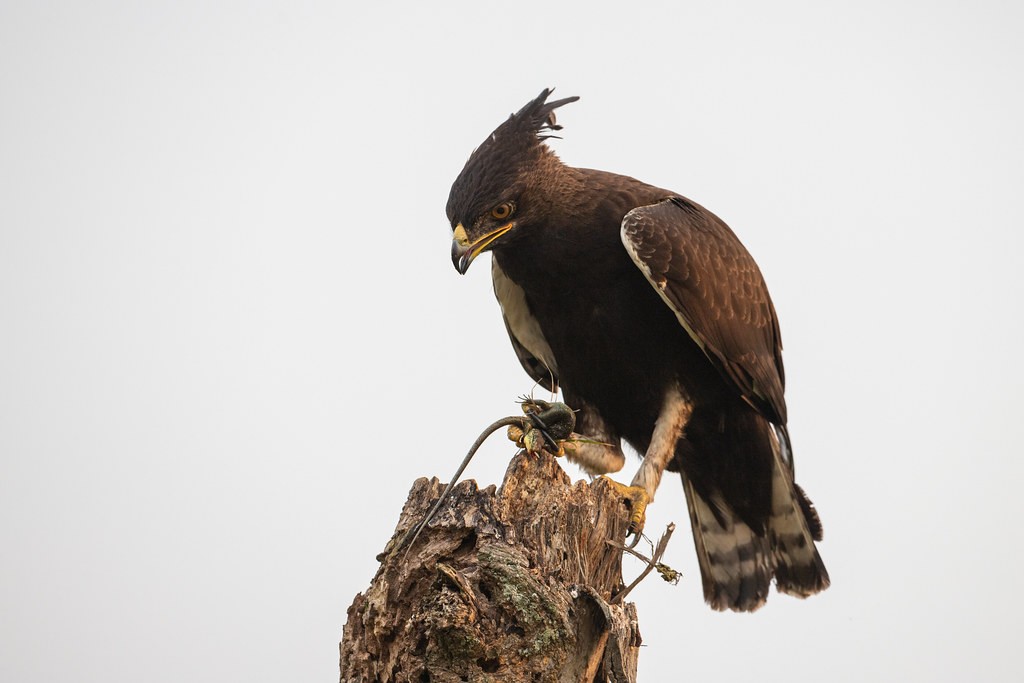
x=510, y=584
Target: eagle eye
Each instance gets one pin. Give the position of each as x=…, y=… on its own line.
x=502, y=211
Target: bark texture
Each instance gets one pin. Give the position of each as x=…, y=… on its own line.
x=513, y=584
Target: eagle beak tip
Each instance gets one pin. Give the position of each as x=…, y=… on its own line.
x=461, y=258
x=462, y=250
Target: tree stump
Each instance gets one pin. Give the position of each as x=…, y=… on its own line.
x=514, y=584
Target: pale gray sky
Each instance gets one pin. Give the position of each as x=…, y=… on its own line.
x=231, y=336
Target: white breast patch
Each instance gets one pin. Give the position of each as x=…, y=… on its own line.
x=520, y=320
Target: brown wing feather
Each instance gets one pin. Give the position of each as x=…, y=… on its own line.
x=716, y=290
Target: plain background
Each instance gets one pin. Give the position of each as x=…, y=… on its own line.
x=231, y=336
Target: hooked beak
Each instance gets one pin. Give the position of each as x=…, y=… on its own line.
x=463, y=252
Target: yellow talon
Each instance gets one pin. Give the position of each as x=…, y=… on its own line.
x=638, y=500
x=515, y=434
x=533, y=441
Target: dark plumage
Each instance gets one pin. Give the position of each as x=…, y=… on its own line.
x=657, y=325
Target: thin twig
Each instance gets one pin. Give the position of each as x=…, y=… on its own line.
x=652, y=563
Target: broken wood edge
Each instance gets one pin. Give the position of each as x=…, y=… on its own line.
x=522, y=582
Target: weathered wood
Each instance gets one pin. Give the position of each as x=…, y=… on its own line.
x=513, y=584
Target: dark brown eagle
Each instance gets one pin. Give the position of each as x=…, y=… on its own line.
x=656, y=323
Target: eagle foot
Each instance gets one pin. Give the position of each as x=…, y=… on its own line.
x=638, y=498
x=545, y=426
x=533, y=441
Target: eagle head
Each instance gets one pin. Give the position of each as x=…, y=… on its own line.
x=497, y=189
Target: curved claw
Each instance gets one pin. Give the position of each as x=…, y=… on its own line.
x=638, y=499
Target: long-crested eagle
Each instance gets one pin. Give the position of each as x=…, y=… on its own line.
x=656, y=323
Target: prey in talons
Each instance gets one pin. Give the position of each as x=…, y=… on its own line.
x=546, y=427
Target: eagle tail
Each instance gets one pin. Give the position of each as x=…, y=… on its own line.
x=793, y=527
x=737, y=562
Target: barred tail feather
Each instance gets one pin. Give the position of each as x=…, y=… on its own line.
x=792, y=529
x=735, y=562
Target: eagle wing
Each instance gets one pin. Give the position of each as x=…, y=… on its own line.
x=714, y=287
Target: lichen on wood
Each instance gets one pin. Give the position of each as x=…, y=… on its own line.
x=509, y=584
